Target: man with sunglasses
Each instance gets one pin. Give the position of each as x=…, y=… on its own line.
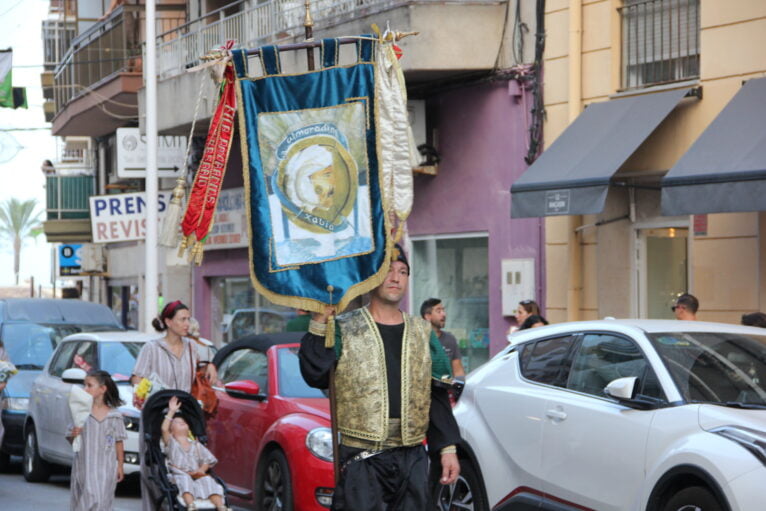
x=686, y=307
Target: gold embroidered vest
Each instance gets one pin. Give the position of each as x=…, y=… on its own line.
x=361, y=386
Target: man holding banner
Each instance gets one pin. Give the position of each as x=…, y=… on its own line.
x=388, y=368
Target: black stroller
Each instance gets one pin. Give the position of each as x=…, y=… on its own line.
x=154, y=476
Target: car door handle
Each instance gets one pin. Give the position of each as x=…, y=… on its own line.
x=556, y=415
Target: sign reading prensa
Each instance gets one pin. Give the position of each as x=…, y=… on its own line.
x=122, y=217
x=131, y=154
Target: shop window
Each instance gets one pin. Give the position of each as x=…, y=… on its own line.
x=455, y=270
x=239, y=310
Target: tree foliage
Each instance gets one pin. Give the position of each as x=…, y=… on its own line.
x=19, y=221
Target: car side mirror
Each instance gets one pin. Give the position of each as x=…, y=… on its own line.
x=73, y=375
x=245, y=389
x=624, y=390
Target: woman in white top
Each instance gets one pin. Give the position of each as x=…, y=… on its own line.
x=171, y=360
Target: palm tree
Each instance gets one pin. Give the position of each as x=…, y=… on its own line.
x=18, y=221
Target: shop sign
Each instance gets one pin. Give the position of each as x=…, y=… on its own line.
x=557, y=202
x=131, y=154
x=69, y=260
x=700, y=225
x=122, y=217
x=230, y=221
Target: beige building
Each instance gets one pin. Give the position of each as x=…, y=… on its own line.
x=630, y=87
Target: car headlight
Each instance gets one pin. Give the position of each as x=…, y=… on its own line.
x=131, y=419
x=319, y=442
x=751, y=439
x=19, y=404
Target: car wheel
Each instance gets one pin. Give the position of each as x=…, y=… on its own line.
x=694, y=498
x=5, y=462
x=275, y=488
x=36, y=469
x=465, y=494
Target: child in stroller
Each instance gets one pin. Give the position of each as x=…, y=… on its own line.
x=176, y=458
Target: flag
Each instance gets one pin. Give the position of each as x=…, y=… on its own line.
x=10, y=96
x=319, y=234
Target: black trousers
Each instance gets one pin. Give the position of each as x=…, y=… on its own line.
x=394, y=480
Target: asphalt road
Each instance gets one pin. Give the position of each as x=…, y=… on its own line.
x=18, y=495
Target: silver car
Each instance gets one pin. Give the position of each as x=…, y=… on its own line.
x=49, y=418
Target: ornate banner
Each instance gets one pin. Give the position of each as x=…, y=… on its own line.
x=318, y=232
x=198, y=219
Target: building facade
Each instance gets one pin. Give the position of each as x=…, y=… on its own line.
x=470, y=113
x=667, y=199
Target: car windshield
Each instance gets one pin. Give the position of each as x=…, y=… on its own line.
x=720, y=368
x=118, y=359
x=29, y=345
x=291, y=383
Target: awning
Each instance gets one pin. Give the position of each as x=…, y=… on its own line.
x=725, y=169
x=572, y=176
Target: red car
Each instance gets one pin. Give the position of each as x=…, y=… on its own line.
x=271, y=433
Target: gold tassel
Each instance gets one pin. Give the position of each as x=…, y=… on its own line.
x=184, y=245
x=200, y=251
x=170, y=225
x=329, y=336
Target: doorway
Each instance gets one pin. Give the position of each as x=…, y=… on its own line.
x=663, y=269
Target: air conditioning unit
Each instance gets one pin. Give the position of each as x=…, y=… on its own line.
x=416, y=110
x=92, y=258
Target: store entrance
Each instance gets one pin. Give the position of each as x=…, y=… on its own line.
x=663, y=269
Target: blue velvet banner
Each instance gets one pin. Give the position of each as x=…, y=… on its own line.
x=310, y=161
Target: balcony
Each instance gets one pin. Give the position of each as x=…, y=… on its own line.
x=67, y=208
x=449, y=43
x=96, y=81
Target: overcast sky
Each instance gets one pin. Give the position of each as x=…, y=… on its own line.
x=22, y=152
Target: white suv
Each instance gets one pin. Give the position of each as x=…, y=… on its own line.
x=629, y=415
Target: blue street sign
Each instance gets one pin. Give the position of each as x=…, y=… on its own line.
x=69, y=260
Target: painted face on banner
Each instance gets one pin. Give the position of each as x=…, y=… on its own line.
x=318, y=178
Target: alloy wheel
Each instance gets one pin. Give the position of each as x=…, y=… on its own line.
x=273, y=486
x=456, y=497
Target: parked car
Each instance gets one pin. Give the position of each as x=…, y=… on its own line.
x=49, y=418
x=30, y=329
x=271, y=433
x=243, y=322
x=616, y=415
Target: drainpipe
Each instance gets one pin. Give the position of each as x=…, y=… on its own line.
x=574, y=247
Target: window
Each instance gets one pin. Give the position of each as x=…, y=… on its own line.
x=246, y=364
x=119, y=358
x=85, y=356
x=291, y=383
x=63, y=359
x=546, y=361
x=456, y=271
x=660, y=41
x=602, y=358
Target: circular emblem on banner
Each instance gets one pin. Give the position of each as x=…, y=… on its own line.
x=317, y=183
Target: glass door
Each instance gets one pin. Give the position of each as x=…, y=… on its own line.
x=663, y=269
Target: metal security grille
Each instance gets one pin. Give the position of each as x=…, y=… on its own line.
x=660, y=41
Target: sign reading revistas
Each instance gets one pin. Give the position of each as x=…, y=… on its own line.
x=122, y=217
x=131, y=154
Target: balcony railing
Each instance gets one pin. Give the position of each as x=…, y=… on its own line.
x=660, y=41
x=263, y=23
x=110, y=46
x=67, y=196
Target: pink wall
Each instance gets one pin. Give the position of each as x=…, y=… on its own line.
x=482, y=141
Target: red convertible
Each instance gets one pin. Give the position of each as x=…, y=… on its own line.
x=271, y=433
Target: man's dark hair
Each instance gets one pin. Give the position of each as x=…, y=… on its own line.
x=428, y=305
x=754, y=319
x=690, y=302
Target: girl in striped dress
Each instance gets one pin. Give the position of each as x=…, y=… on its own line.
x=189, y=461
x=98, y=464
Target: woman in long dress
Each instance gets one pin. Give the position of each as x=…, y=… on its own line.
x=170, y=361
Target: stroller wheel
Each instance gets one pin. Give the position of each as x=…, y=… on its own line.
x=275, y=487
